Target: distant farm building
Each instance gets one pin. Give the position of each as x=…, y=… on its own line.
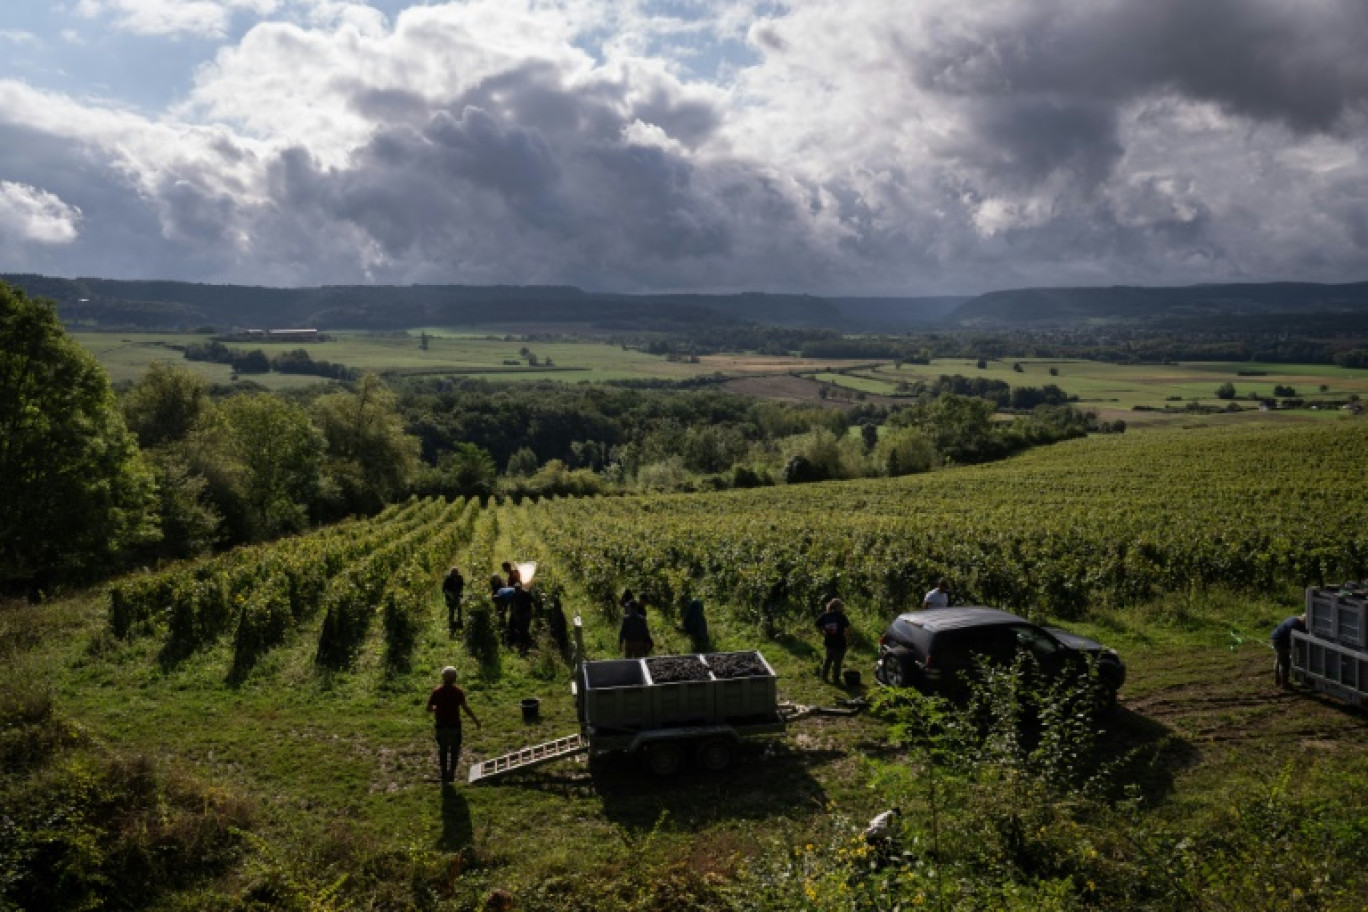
x=274, y=335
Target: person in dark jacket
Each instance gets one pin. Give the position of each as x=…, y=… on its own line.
x=634, y=637
x=695, y=624
x=446, y=703
x=834, y=626
x=453, y=587
x=520, y=619
x=1282, y=648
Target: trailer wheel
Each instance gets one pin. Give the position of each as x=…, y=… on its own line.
x=715, y=754
x=664, y=758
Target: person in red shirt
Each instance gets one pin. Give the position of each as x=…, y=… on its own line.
x=446, y=703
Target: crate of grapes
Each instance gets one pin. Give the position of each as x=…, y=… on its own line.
x=745, y=686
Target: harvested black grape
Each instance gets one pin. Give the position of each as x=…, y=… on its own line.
x=736, y=665
x=672, y=669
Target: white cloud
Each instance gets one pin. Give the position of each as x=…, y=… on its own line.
x=880, y=147
x=34, y=215
x=19, y=37
x=173, y=17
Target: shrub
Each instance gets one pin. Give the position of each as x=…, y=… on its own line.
x=482, y=634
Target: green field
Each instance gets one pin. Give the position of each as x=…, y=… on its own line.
x=1179, y=547
x=125, y=357
x=1123, y=386
x=1112, y=390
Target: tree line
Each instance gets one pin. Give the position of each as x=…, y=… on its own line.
x=173, y=467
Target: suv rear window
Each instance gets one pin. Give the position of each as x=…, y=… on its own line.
x=909, y=633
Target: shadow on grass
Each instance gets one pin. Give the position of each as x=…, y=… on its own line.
x=173, y=654
x=457, y=830
x=765, y=781
x=1147, y=754
x=798, y=648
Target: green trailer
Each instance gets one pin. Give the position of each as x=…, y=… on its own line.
x=622, y=708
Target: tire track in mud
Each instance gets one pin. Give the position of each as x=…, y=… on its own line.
x=1234, y=702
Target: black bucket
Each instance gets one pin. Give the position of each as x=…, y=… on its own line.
x=531, y=707
x=851, y=677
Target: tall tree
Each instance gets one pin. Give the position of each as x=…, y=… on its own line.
x=74, y=490
x=261, y=457
x=370, y=460
x=165, y=403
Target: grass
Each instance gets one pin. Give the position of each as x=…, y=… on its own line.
x=340, y=769
x=1112, y=390
x=1127, y=385
x=125, y=356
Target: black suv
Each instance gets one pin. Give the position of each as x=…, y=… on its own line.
x=936, y=648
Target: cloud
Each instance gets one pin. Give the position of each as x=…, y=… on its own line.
x=30, y=214
x=880, y=148
x=19, y=37
x=173, y=17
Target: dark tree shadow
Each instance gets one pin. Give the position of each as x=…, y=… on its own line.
x=766, y=781
x=1146, y=754
x=457, y=830
x=798, y=648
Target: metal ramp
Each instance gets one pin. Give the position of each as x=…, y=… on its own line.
x=528, y=757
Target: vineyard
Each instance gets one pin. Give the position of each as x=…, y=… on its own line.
x=1100, y=522
x=350, y=572
x=288, y=678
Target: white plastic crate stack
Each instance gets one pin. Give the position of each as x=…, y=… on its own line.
x=1332, y=656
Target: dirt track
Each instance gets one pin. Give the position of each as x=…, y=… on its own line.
x=1216, y=699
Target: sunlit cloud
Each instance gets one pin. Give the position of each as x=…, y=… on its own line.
x=34, y=215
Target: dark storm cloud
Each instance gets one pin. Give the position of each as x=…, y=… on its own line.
x=1023, y=141
x=523, y=158
x=1301, y=64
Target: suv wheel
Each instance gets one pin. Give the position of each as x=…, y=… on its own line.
x=892, y=669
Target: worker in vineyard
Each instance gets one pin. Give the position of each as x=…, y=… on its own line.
x=938, y=597
x=503, y=600
x=835, y=628
x=1282, y=648
x=446, y=703
x=695, y=624
x=453, y=587
x=520, y=619
x=634, y=637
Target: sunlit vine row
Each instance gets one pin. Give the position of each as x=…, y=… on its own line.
x=261, y=592
x=1055, y=531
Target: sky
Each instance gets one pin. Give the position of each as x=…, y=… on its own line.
x=837, y=147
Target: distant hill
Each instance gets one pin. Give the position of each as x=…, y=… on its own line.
x=893, y=315
x=1133, y=305
x=119, y=304
x=158, y=305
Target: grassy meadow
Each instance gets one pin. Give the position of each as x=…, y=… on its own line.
x=1112, y=390
x=295, y=787
x=1116, y=388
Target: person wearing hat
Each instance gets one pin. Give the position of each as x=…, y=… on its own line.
x=446, y=703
